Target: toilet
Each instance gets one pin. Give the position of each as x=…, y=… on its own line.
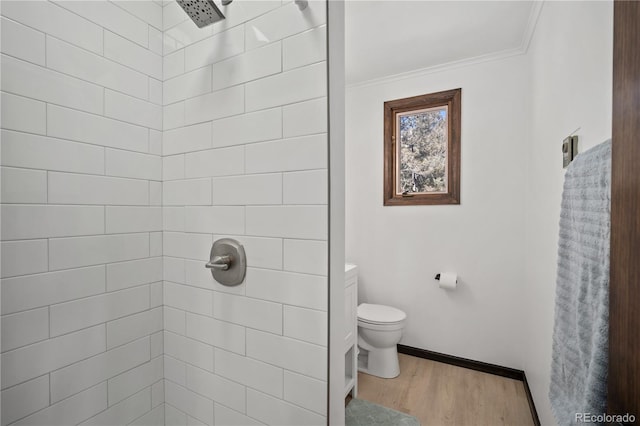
x=379, y=331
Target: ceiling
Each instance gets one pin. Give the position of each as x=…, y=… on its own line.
x=389, y=37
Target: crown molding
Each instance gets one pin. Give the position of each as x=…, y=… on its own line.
x=522, y=49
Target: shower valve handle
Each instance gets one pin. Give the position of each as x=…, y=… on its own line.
x=219, y=262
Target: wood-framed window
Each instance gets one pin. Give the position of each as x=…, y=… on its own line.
x=422, y=149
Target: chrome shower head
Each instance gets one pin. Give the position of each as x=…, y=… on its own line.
x=202, y=12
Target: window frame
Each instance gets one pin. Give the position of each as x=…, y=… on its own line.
x=452, y=100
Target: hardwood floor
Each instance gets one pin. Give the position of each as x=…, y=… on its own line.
x=442, y=394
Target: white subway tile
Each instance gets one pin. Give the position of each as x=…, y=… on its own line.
x=189, y=402
x=196, y=275
x=23, y=257
x=244, y=11
x=40, y=358
x=188, y=298
x=71, y=410
x=307, y=187
x=216, y=388
x=132, y=55
x=303, y=153
x=125, y=411
x=175, y=320
x=247, y=128
x=156, y=291
x=214, y=220
x=23, y=185
x=81, y=375
x=172, y=15
x=132, y=110
x=55, y=21
x=155, y=142
x=30, y=221
x=305, y=48
x=154, y=417
x=155, y=42
x=157, y=344
x=188, y=350
x=173, y=167
x=261, y=252
x=33, y=291
x=172, y=117
x=306, y=325
x=72, y=60
x=292, y=354
x=173, y=218
x=155, y=193
x=40, y=152
x=284, y=22
x=274, y=411
x=249, y=66
x=173, y=416
x=310, y=82
x=254, y=374
x=306, y=392
x=23, y=114
x=305, y=118
x=186, y=139
x=170, y=44
x=192, y=246
x=132, y=164
x=309, y=257
x=187, y=192
x=249, y=312
x=175, y=370
x=187, y=85
x=79, y=126
x=308, y=222
x=65, y=188
x=229, y=417
x=184, y=34
x=24, y=399
x=129, y=274
x=217, y=333
x=133, y=219
x=77, y=314
x=248, y=190
x=128, y=329
x=155, y=92
x=173, y=269
x=214, y=49
x=157, y=400
x=148, y=11
x=173, y=63
x=134, y=380
x=223, y=103
x=24, y=78
x=215, y=162
x=24, y=328
x=110, y=16
x=287, y=287
x=74, y=252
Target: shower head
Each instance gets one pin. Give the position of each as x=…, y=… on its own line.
x=202, y=12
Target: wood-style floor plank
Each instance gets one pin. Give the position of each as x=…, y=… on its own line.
x=441, y=394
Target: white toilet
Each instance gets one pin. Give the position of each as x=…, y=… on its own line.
x=379, y=331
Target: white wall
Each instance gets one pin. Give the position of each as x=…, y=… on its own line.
x=571, y=63
x=245, y=155
x=399, y=250
x=81, y=213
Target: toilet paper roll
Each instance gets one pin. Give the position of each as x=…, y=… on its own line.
x=448, y=280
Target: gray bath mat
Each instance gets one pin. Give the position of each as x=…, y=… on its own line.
x=364, y=413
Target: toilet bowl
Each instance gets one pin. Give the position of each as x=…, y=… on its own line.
x=379, y=331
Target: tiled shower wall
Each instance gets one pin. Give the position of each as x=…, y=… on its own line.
x=81, y=214
x=245, y=155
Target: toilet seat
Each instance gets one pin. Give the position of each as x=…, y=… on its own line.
x=379, y=314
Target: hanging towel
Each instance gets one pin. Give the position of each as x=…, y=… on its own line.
x=580, y=333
